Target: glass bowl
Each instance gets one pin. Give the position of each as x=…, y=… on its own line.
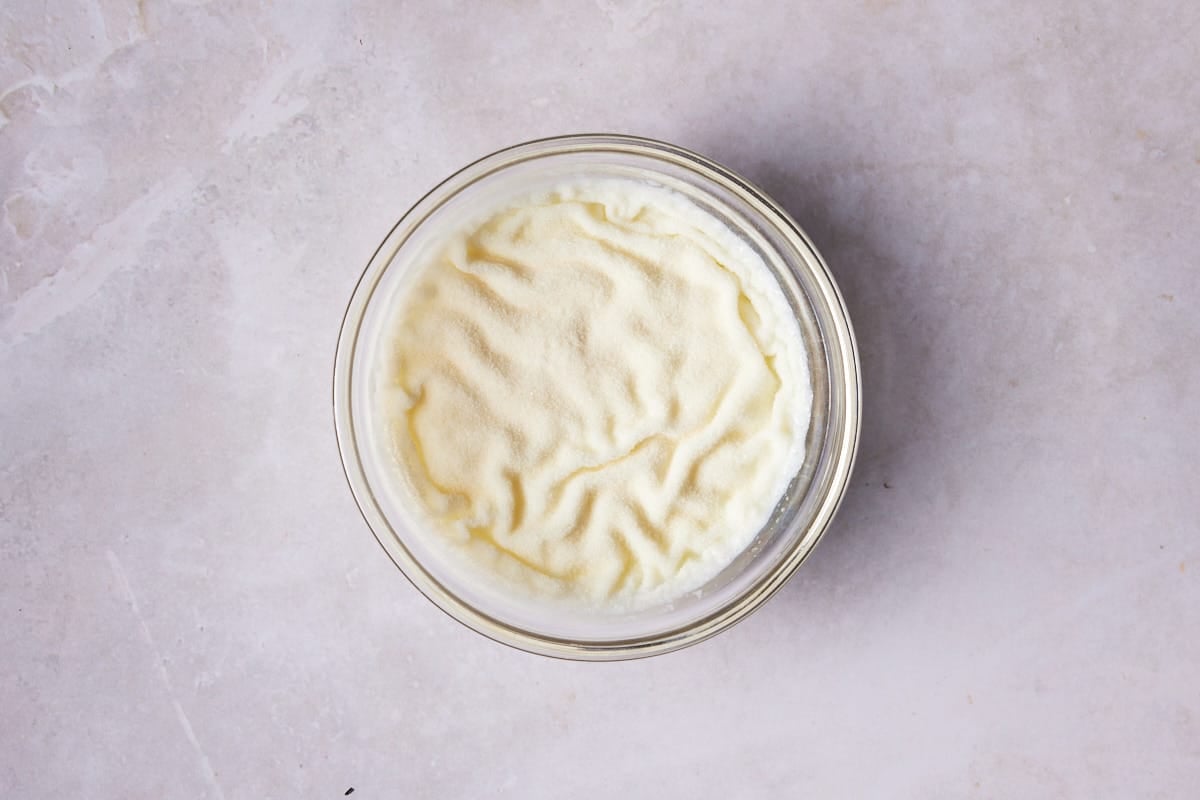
x=799, y=519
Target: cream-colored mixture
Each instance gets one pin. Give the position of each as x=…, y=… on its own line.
x=598, y=393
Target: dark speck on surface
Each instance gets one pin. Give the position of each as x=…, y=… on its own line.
x=887, y=485
x=350, y=790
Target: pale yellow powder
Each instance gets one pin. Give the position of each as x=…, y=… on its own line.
x=602, y=393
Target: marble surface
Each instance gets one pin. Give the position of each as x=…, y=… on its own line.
x=1007, y=605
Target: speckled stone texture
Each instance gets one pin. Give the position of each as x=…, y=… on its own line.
x=1007, y=605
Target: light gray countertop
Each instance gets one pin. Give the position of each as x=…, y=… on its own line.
x=1008, y=604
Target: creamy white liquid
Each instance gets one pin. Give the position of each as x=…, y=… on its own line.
x=598, y=393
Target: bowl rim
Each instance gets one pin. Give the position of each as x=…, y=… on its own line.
x=844, y=452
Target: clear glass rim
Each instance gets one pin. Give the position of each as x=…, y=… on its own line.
x=844, y=451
